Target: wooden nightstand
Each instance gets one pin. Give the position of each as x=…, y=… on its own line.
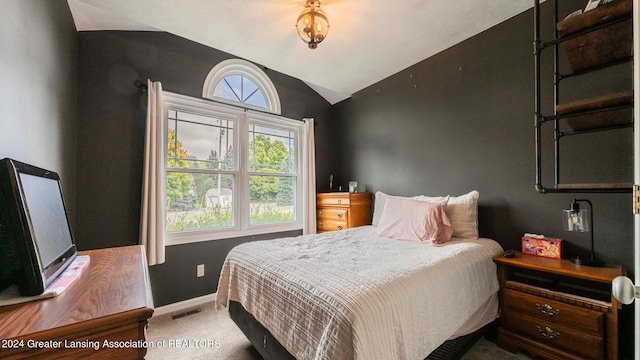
x=342, y=210
x=557, y=310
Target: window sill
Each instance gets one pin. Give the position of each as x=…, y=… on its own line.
x=200, y=236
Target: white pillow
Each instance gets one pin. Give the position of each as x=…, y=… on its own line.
x=380, y=198
x=414, y=220
x=462, y=211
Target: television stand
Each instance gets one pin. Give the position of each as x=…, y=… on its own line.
x=103, y=314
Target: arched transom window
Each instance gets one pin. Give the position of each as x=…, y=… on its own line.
x=239, y=82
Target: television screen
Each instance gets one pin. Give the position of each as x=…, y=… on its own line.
x=36, y=243
x=48, y=217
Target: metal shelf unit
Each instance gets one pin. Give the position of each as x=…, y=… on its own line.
x=586, y=111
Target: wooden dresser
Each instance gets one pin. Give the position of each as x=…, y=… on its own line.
x=102, y=315
x=342, y=210
x=557, y=310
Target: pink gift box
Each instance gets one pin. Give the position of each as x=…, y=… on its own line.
x=545, y=247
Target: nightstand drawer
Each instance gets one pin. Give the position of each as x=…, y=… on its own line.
x=554, y=312
x=331, y=225
x=555, y=335
x=332, y=214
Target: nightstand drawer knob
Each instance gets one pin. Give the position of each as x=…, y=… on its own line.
x=548, y=332
x=340, y=215
x=547, y=310
x=339, y=227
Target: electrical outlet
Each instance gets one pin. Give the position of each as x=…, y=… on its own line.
x=200, y=271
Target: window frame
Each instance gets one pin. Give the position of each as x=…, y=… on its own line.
x=248, y=70
x=241, y=118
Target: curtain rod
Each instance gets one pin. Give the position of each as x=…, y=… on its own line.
x=143, y=88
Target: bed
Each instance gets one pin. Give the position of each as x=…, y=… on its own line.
x=355, y=294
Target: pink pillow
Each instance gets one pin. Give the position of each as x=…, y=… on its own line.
x=407, y=219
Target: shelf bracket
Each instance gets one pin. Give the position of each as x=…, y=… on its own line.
x=537, y=47
x=636, y=199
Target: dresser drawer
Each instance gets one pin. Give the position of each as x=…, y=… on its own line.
x=332, y=214
x=554, y=312
x=338, y=199
x=555, y=335
x=331, y=225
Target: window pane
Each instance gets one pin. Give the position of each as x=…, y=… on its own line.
x=171, y=141
x=273, y=199
x=197, y=201
x=240, y=89
x=223, y=90
x=200, y=142
x=251, y=94
x=257, y=99
x=271, y=149
x=248, y=88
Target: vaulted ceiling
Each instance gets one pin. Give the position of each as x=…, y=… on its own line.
x=368, y=40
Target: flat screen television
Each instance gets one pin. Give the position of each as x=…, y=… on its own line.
x=36, y=244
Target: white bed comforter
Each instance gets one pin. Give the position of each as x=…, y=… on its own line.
x=352, y=295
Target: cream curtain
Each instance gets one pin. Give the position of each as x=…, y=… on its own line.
x=309, y=191
x=152, y=219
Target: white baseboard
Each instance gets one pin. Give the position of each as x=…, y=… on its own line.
x=182, y=305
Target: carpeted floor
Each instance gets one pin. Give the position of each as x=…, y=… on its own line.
x=211, y=334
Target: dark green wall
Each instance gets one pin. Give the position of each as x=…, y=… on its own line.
x=460, y=120
x=463, y=120
x=111, y=141
x=38, y=70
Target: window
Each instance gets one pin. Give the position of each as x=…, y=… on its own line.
x=201, y=172
x=239, y=82
x=272, y=173
x=241, y=89
x=229, y=171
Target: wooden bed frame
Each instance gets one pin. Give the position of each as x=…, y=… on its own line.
x=270, y=349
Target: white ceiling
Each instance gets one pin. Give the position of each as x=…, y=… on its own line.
x=368, y=40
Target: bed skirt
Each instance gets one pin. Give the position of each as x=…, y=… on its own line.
x=270, y=349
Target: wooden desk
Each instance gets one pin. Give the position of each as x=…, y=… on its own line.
x=106, y=308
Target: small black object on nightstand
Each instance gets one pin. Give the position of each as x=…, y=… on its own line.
x=509, y=254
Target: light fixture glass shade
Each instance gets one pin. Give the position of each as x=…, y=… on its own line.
x=576, y=220
x=312, y=24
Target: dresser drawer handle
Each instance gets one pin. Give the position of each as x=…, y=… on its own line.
x=547, y=310
x=340, y=215
x=339, y=201
x=339, y=227
x=548, y=332
x=320, y=225
x=319, y=213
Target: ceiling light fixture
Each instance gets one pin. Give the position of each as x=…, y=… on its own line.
x=312, y=24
